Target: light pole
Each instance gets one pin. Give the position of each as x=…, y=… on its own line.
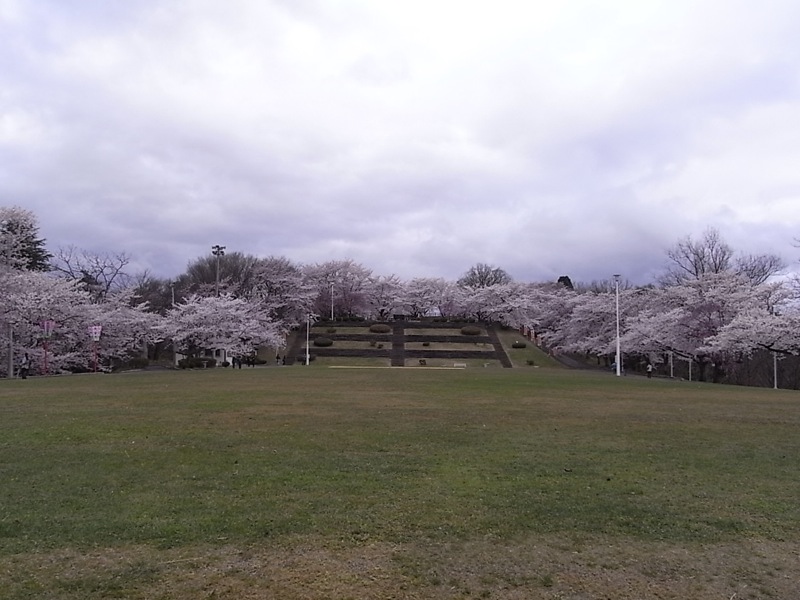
x=331, y=301
x=619, y=354
x=217, y=251
x=308, y=330
x=775, y=370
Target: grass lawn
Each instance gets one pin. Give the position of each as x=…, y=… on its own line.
x=433, y=361
x=352, y=345
x=454, y=331
x=465, y=346
x=531, y=352
x=305, y=483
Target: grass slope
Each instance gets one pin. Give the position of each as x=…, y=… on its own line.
x=320, y=483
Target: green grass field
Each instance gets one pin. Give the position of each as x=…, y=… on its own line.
x=297, y=482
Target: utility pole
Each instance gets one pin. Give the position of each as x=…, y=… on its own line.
x=217, y=251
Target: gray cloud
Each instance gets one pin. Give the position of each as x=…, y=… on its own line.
x=549, y=139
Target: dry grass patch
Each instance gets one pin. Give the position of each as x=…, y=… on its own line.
x=309, y=568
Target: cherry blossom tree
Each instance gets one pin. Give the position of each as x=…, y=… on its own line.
x=421, y=295
x=30, y=298
x=234, y=324
x=757, y=328
x=383, y=296
x=282, y=292
x=340, y=286
x=681, y=318
x=511, y=303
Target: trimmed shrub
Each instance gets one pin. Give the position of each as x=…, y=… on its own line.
x=471, y=330
x=519, y=344
x=197, y=362
x=426, y=344
x=331, y=330
x=380, y=328
x=138, y=362
x=323, y=342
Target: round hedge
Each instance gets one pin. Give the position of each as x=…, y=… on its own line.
x=471, y=330
x=519, y=345
x=380, y=328
x=323, y=342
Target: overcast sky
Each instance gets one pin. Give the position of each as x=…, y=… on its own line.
x=417, y=137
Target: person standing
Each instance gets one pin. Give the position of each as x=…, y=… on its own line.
x=649, y=370
x=24, y=366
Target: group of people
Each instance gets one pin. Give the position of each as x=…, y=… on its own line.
x=648, y=369
x=250, y=361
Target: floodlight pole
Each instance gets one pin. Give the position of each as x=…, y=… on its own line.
x=619, y=354
x=217, y=251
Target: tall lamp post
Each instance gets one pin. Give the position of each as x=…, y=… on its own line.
x=619, y=354
x=308, y=332
x=217, y=251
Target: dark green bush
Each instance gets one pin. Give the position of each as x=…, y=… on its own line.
x=519, y=344
x=323, y=342
x=471, y=330
x=138, y=362
x=426, y=344
x=331, y=330
x=380, y=328
x=197, y=362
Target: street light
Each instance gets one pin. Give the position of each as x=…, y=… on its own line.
x=619, y=355
x=217, y=251
x=308, y=330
